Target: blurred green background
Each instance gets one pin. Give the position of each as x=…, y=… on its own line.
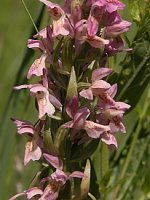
x=131, y=162
x=15, y=29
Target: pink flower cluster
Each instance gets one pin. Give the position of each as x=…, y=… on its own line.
x=54, y=182
x=89, y=114
x=108, y=113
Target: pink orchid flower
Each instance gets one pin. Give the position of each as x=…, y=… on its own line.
x=78, y=122
x=82, y=35
x=57, y=179
x=117, y=28
x=108, y=19
x=45, y=46
x=45, y=100
x=73, y=11
x=111, y=92
x=112, y=117
x=103, y=13
x=54, y=182
x=33, y=146
x=98, y=87
x=30, y=193
x=109, y=139
x=54, y=160
x=112, y=114
x=116, y=45
x=61, y=25
x=111, y=5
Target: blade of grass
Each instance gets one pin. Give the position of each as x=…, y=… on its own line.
x=133, y=143
x=24, y=4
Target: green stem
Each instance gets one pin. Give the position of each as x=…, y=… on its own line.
x=135, y=136
x=130, y=179
x=29, y=16
x=104, y=159
x=143, y=62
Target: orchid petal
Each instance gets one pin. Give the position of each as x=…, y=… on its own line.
x=112, y=90
x=68, y=124
x=55, y=101
x=54, y=161
x=115, y=127
x=87, y=94
x=53, y=9
x=20, y=87
x=59, y=27
x=33, y=191
x=23, y=127
x=76, y=174
x=81, y=29
x=45, y=105
x=35, y=44
x=122, y=106
x=114, y=5
x=59, y=176
x=21, y=122
x=37, y=67
x=67, y=6
x=37, y=88
x=48, y=3
x=109, y=139
x=92, y=26
x=117, y=29
x=100, y=73
x=72, y=106
x=106, y=100
x=80, y=117
x=49, y=194
x=109, y=19
x=100, y=86
x=76, y=13
x=17, y=195
x=94, y=130
x=41, y=34
x=24, y=130
x=32, y=152
x=96, y=41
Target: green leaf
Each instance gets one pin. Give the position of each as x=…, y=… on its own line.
x=85, y=183
x=67, y=54
x=104, y=152
x=82, y=152
x=145, y=185
x=48, y=142
x=105, y=180
x=72, y=86
x=83, y=85
x=136, y=164
x=135, y=9
x=57, y=51
x=135, y=74
x=60, y=141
